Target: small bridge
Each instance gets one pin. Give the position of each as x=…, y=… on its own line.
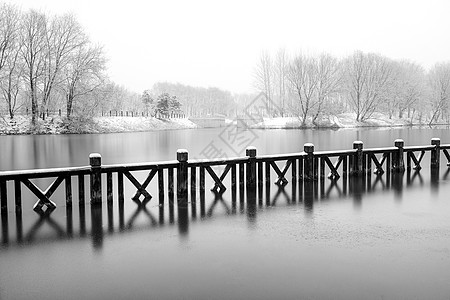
x=306, y=167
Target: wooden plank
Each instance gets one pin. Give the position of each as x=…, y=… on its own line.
x=193, y=182
x=109, y=188
x=3, y=196
x=294, y=170
x=80, y=188
x=18, y=195
x=161, y=186
x=68, y=183
x=170, y=182
x=120, y=194
x=202, y=179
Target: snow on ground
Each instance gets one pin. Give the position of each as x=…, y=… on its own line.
x=347, y=120
x=58, y=125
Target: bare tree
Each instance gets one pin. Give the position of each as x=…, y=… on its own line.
x=280, y=70
x=264, y=77
x=10, y=67
x=33, y=53
x=439, y=83
x=63, y=36
x=83, y=73
x=367, y=79
x=329, y=80
x=303, y=79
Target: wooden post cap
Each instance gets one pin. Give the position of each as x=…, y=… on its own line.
x=182, y=155
x=308, y=148
x=399, y=143
x=358, y=145
x=435, y=141
x=95, y=160
x=250, y=151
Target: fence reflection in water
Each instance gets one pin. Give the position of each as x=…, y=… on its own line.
x=180, y=213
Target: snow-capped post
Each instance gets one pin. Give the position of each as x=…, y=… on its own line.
x=95, y=160
x=357, y=164
x=182, y=176
x=435, y=153
x=398, y=164
x=309, y=161
x=250, y=152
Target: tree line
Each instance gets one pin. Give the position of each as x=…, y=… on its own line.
x=47, y=59
x=313, y=86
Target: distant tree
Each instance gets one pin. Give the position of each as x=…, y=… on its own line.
x=174, y=104
x=147, y=99
x=83, y=73
x=11, y=66
x=64, y=44
x=265, y=77
x=367, y=80
x=33, y=53
x=163, y=103
x=439, y=83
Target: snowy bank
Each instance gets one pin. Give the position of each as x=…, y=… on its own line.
x=58, y=125
x=347, y=120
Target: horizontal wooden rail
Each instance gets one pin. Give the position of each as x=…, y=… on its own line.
x=248, y=172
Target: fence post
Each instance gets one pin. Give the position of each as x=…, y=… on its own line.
x=435, y=153
x=59, y=112
x=182, y=175
x=398, y=164
x=357, y=167
x=251, y=167
x=95, y=160
x=309, y=161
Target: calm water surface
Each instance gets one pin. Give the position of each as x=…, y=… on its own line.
x=387, y=239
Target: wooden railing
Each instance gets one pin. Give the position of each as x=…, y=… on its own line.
x=254, y=171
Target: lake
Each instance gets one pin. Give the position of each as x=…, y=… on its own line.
x=378, y=240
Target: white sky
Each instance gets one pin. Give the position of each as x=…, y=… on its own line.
x=218, y=43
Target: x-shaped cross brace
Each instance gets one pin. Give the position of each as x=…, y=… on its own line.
x=334, y=174
x=141, y=188
x=218, y=185
x=44, y=197
x=282, y=181
x=378, y=165
x=415, y=160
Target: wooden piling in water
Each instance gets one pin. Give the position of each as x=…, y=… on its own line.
x=398, y=164
x=309, y=161
x=95, y=161
x=435, y=153
x=358, y=165
x=182, y=175
x=251, y=167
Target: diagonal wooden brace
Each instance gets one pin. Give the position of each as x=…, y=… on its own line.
x=44, y=197
x=334, y=174
x=218, y=182
x=417, y=161
x=378, y=165
x=141, y=189
x=222, y=177
x=281, y=174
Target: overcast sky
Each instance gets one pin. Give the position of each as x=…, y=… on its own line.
x=212, y=43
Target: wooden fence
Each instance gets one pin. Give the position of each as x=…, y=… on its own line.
x=254, y=171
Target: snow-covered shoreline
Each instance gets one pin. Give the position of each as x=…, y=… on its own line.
x=335, y=122
x=57, y=125
x=21, y=125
